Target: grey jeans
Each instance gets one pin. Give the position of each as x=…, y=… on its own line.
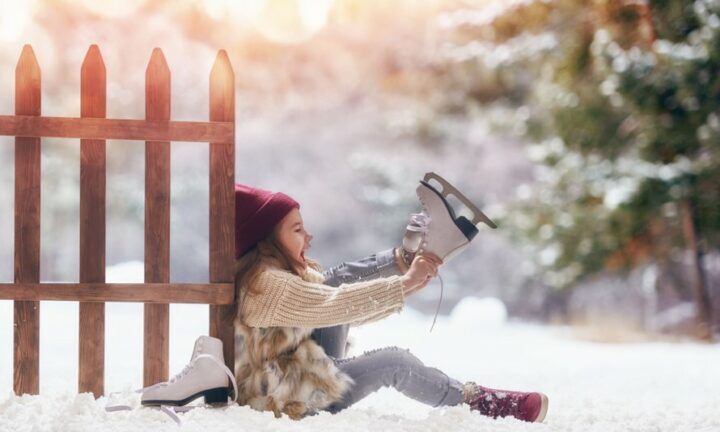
x=384, y=367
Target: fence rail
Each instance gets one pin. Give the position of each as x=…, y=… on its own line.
x=104, y=129
x=92, y=128
x=215, y=293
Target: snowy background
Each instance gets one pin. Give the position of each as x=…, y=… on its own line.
x=603, y=387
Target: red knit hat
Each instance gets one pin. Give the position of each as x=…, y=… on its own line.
x=257, y=211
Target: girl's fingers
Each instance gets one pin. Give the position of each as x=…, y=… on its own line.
x=432, y=257
x=430, y=268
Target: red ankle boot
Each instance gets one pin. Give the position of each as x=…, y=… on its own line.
x=530, y=407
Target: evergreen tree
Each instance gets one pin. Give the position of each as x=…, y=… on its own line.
x=625, y=112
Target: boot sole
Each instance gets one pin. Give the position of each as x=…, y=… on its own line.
x=213, y=396
x=543, y=409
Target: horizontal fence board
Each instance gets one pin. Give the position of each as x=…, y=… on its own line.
x=118, y=129
x=212, y=293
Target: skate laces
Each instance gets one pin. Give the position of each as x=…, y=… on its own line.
x=419, y=222
x=437, y=311
x=188, y=367
x=171, y=410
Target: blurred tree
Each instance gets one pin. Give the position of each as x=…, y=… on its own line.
x=625, y=107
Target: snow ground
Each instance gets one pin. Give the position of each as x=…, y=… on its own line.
x=638, y=387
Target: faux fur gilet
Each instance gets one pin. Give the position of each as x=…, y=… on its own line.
x=283, y=370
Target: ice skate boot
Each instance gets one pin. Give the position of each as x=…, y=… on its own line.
x=446, y=235
x=206, y=375
x=530, y=407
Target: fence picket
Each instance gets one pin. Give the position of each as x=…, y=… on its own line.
x=26, y=318
x=157, y=221
x=222, y=200
x=91, y=340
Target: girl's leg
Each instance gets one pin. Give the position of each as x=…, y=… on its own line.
x=332, y=339
x=381, y=264
x=397, y=368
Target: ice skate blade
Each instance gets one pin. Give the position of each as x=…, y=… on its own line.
x=448, y=189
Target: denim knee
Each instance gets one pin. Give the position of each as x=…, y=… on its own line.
x=395, y=356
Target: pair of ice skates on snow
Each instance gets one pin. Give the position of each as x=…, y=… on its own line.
x=436, y=230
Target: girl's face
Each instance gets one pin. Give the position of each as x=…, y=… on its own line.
x=291, y=234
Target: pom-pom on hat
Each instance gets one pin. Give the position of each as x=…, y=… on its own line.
x=257, y=211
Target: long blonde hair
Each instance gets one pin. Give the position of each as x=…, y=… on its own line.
x=268, y=252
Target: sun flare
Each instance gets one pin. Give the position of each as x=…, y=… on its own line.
x=291, y=21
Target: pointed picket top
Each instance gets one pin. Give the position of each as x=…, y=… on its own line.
x=157, y=65
x=222, y=63
x=27, y=83
x=93, y=84
x=93, y=60
x=157, y=87
x=27, y=61
x=222, y=89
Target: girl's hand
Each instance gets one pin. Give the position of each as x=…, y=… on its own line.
x=422, y=269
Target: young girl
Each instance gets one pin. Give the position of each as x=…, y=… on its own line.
x=292, y=322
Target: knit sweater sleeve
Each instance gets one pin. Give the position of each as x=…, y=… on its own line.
x=289, y=301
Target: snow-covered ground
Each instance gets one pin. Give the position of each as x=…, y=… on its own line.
x=592, y=386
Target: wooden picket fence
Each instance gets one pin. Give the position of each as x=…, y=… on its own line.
x=93, y=128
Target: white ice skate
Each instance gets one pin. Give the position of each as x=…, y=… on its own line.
x=446, y=235
x=206, y=375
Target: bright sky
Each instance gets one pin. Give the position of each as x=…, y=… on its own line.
x=283, y=21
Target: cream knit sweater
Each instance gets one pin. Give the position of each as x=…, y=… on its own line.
x=288, y=300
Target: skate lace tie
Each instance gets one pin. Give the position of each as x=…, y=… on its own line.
x=171, y=410
x=419, y=222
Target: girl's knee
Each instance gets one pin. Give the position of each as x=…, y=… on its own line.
x=397, y=356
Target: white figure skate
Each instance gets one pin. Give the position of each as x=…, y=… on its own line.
x=206, y=375
x=444, y=233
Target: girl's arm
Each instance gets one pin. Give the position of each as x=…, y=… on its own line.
x=289, y=301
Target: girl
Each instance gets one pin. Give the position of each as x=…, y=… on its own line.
x=291, y=324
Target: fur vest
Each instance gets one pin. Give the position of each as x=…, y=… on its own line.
x=283, y=370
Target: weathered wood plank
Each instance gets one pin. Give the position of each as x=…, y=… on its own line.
x=222, y=200
x=91, y=341
x=156, y=347
x=26, y=360
x=212, y=293
x=105, y=129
